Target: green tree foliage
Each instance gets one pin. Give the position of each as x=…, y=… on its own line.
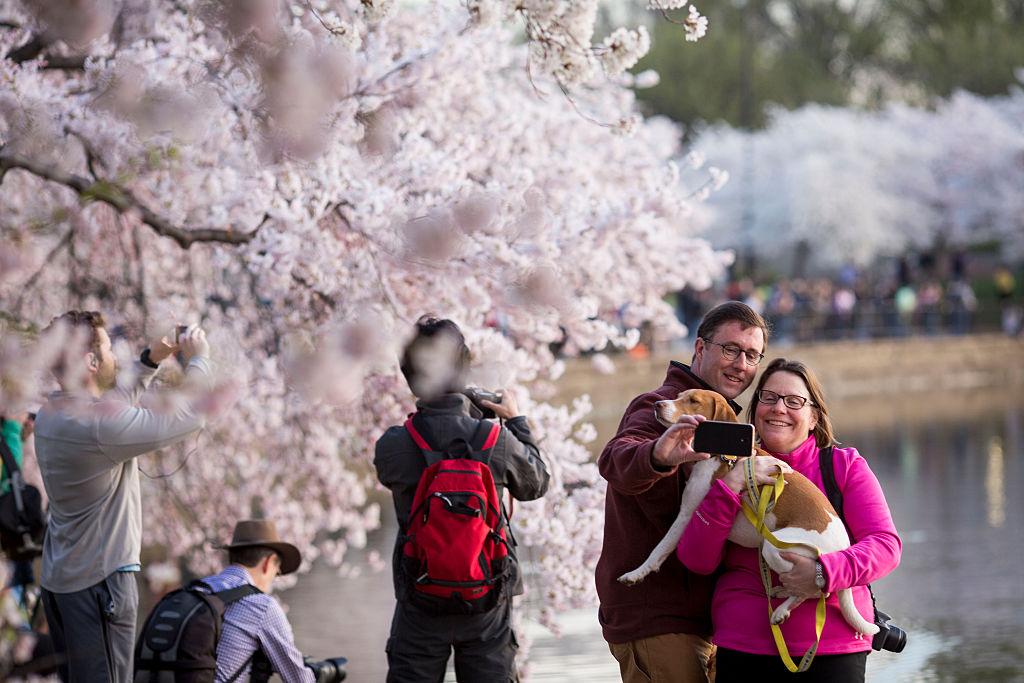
x=791, y=52
x=759, y=52
x=947, y=45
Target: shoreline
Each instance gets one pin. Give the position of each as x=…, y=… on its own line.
x=873, y=382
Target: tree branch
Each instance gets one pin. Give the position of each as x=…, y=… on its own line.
x=60, y=62
x=52, y=254
x=121, y=199
x=29, y=50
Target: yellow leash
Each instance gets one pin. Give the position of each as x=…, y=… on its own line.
x=764, y=499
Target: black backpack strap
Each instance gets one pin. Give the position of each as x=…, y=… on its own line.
x=828, y=478
x=235, y=594
x=835, y=496
x=16, y=486
x=226, y=596
x=10, y=464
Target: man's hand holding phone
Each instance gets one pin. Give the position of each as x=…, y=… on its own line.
x=675, y=446
x=191, y=343
x=185, y=340
x=164, y=346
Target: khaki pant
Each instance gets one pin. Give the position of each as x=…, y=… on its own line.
x=670, y=658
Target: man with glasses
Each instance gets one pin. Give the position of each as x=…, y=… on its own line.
x=657, y=629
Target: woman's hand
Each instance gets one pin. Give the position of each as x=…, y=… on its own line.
x=799, y=581
x=766, y=468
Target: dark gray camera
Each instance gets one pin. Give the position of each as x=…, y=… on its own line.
x=476, y=394
x=890, y=636
x=330, y=670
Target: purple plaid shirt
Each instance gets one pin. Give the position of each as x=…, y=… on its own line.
x=255, y=621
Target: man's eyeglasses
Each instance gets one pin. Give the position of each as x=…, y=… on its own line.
x=732, y=352
x=792, y=401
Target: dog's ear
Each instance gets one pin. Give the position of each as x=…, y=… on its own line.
x=723, y=411
x=705, y=401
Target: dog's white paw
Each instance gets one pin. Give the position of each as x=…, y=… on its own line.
x=780, y=615
x=634, y=577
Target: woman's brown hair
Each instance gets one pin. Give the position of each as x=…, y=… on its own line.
x=823, y=434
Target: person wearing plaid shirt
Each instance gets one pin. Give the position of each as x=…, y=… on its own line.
x=256, y=623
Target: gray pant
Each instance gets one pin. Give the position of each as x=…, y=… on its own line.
x=95, y=628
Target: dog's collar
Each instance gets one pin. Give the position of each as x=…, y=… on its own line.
x=729, y=460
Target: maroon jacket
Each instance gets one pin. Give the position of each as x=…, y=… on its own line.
x=641, y=503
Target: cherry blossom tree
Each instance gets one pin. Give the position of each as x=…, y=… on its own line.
x=306, y=180
x=853, y=185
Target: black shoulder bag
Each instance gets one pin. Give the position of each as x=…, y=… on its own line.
x=22, y=519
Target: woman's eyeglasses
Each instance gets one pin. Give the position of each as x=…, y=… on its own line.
x=792, y=401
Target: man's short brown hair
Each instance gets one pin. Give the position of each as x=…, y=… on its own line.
x=85, y=320
x=732, y=311
x=249, y=556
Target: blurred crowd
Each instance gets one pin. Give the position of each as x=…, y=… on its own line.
x=860, y=305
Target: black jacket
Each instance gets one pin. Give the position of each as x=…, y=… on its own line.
x=515, y=464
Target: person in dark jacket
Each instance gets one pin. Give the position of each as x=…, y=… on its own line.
x=658, y=628
x=434, y=364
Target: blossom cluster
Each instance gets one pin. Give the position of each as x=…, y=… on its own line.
x=875, y=182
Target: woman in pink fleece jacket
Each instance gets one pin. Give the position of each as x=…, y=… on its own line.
x=792, y=423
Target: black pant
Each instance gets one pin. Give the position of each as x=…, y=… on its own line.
x=741, y=667
x=420, y=644
x=95, y=628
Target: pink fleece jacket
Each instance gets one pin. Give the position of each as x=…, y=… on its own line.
x=739, y=609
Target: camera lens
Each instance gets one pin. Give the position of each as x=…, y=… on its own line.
x=896, y=639
x=889, y=637
x=330, y=670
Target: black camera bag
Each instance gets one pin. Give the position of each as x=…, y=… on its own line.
x=178, y=642
x=22, y=518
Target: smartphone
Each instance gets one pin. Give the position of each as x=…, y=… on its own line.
x=724, y=438
x=178, y=331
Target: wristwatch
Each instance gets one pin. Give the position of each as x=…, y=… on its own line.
x=819, y=576
x=147, y=361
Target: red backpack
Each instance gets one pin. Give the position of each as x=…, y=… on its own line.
x=456, y=548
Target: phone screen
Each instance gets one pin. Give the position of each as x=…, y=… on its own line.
x=724, y=438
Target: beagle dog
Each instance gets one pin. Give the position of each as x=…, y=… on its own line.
x=801, y=515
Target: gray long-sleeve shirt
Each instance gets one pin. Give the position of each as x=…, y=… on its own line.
x=86, y=448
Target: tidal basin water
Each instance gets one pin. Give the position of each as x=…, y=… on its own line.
x=952, y=467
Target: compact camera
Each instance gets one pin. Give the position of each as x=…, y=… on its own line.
x=890, y=636
x=476, y=394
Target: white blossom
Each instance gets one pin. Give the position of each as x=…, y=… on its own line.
x=624, y=48
x=696, y=25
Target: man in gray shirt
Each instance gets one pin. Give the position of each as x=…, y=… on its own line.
x=87, y=439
